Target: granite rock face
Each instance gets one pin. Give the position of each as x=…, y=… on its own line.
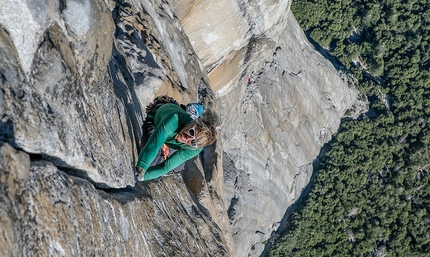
x=75, y=80
x=46, y=212
x=280, y=102
x=78, y=98
x=217, y=29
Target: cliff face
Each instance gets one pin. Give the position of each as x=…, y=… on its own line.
x=47, y=212
x=280, y=102
x=75, y=79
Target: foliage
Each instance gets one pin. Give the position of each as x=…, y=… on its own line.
x=371, y=192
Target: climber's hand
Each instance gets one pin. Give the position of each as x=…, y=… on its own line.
x=139, y=173
x=166, y=151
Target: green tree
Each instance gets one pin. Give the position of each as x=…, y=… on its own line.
x=371, y=189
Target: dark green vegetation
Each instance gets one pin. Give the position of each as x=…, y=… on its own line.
x=371, y=192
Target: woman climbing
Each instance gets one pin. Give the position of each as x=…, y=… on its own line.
x=173, y=129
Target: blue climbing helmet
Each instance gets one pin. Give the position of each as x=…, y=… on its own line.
x=194, y=110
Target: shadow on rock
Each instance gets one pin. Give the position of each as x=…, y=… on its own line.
x=125, y=195
x=7, y=132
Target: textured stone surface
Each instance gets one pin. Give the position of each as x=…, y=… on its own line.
x=280, y=102
x=74, y=87
x=218, y=29
x=46, y=212
x=81, y=103
x=274, y=127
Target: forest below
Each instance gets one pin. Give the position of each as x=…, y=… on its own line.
x=370, y=193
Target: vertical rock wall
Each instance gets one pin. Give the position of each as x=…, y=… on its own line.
x=75, y=78
x=280, y=102
x=77, y=85
x=46, y=212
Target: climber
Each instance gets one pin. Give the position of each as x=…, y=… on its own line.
x=181, y=131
